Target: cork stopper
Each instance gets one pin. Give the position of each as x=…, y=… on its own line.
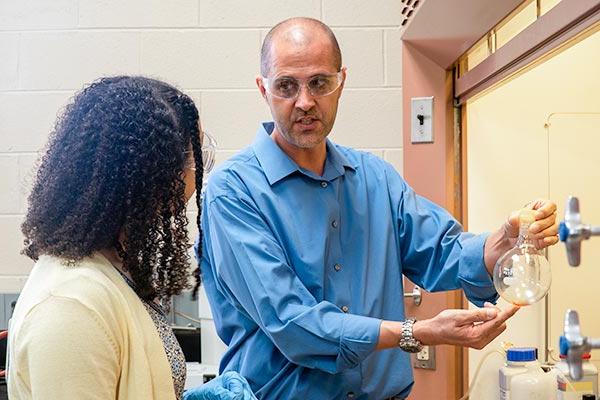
x=526, y=216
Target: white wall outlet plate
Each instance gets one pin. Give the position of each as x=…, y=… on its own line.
x=421, y=120
x=425, y=359
x=423, y=355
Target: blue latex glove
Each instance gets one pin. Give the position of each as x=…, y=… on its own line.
x=229, y=386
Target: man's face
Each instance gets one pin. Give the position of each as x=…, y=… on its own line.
x=303, y=121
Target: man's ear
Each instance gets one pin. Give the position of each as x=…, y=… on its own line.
x=344, y=69
x=261, y=87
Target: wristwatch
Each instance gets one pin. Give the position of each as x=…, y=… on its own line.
x=407, y=342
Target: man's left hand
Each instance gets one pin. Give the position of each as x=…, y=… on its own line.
x=545, y=227
x=544, y=231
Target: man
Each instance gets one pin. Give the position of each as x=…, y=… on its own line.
x=305, y=244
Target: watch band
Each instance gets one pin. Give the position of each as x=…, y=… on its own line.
x=407, y=342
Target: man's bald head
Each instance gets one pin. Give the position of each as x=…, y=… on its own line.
x=298, y=31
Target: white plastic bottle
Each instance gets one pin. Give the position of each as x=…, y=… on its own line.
x=522, y=378
x=569, y=389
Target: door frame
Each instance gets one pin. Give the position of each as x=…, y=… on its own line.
x=438, y=170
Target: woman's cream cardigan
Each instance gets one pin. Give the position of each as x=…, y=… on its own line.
x=80, y=332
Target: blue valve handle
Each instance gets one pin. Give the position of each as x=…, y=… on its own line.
x=563, y=345
x=563, y=232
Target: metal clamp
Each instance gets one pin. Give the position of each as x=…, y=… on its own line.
x=572, y=231
x=415, y=295
x=574, y=345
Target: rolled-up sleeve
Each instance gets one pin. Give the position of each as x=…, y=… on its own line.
x=252, y=271
x=436, y=253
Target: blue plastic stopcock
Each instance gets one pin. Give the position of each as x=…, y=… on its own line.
x=563, y=232
x=563, y=346
x=521, y=354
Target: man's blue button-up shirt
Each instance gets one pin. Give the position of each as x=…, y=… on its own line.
x=301, y=269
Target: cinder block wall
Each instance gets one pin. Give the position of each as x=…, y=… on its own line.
x=208, y=48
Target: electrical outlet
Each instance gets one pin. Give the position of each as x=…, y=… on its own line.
x=425, y=359
x=421, y=120
x=423, y=355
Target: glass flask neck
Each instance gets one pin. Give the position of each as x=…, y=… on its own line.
x=526, y=218
x=524, y=235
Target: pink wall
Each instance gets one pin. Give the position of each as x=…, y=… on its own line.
x=427, y=166
x=428, y=169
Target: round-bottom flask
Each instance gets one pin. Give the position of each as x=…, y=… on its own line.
x=522, y=275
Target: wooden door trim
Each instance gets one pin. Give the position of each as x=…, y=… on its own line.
x=565, y=21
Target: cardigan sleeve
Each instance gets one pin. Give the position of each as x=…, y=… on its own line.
x=67, y=351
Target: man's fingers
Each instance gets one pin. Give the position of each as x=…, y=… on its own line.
x=501, y=318
x=505, y=314
x=545, y=217
x=544, y=208
x=487, y=304
x=465, y=317
x=510, y=311
x=473, y=328
x=548, y=232
x=488, y=315
x=550, y=241
x=547, y=227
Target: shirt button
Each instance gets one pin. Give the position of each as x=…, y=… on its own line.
x=334, y=223
x=345, y=309
x=324, y=184
x=337, y=267
x=350, y=396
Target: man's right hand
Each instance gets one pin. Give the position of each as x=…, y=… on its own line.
x=468, y=328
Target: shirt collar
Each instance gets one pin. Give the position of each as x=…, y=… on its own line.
x=277, y=165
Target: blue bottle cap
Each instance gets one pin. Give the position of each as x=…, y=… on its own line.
x=522, y=354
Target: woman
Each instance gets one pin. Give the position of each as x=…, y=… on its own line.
x=106, y=226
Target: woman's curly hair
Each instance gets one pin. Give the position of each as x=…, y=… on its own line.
x=113, y=170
